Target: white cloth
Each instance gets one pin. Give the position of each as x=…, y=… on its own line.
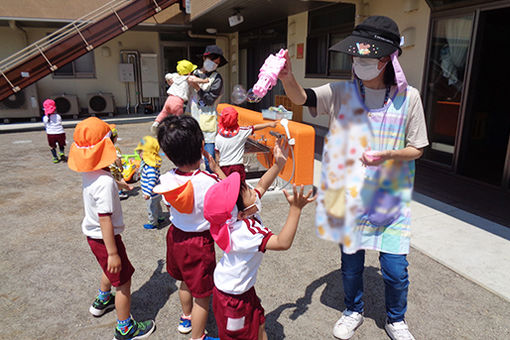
x=232, y=148
x=180, y=87
x=53, y=124
x=202, y=181
x=237, y=270
x=100, y=196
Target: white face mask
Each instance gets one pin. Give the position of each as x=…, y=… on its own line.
x=366, y=68
x=209, y=65
x=257, y=204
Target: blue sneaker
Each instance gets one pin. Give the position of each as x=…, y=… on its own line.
x=210, y=338
x=184, y=325
x=149, y=226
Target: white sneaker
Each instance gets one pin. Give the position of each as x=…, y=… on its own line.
x=345, y=326
x=398, y=331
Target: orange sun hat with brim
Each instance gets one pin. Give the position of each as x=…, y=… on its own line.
x=179, y=195
x=92, y=148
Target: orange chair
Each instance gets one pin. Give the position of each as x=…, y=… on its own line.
x=303, y=149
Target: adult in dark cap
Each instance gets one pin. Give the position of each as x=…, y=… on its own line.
x=377, y=129
x=206, y=96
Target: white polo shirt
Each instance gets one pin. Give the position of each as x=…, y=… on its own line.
x=100, y=196
x=232, y=148
x=180, y=87
x=201, y=181
x=237, y=270
x=53, y=124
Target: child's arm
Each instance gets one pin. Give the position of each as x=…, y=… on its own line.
x=152, y=178
x=264, y=125
x=217, y=155
x=280, y=159
x=198, y=80
x=114, y=263
x=284, y=239
x=213, y=165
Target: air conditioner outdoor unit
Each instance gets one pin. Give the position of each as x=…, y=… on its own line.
x=101, y=103
x=67, y=105
x=22, y=104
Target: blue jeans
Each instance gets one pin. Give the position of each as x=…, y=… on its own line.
x=209, y=147
x=396, y=282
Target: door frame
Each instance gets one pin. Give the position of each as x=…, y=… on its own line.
x=452, y=13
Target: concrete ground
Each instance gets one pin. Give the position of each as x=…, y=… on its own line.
x=48, y=276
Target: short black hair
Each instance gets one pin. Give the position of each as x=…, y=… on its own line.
x=181, y=139
x=389, y=75
x=239, y=202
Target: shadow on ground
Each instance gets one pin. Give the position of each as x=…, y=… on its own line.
x=147, y=301
x=332, y=297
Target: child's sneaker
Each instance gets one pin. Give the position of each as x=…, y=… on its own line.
x=62, y=157
x=137, y=330
x=398, y=330
x=184, y=325
x=55, y=160
x=123, y=195
x=345, y=326
x=99, y=307
x=149, y=226
x=161, y=220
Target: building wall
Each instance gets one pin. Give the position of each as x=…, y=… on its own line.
x=412, y=59
x=106, y=67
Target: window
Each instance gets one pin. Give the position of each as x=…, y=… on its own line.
x=326, y=27
x=83, y=67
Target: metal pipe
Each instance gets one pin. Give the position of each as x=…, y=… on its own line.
x=14, y=26
x=135, y=56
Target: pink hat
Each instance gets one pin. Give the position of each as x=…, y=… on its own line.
x=49, y=107
x=219, y=202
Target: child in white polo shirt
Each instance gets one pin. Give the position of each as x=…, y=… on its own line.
x=190, y=247
x=230, y=141
x=233, y=210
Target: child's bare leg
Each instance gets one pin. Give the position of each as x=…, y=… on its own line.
x=186, y=299
x=199, y=316
x=105, y=285
x=262, y=332
x=123, y=301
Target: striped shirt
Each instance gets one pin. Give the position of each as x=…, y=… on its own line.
x=149, y=179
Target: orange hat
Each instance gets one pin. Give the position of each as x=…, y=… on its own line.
x=92, y=148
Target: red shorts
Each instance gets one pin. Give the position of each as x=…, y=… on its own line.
x=99, y=249
x=228, y=169
x=238, y=316
x=190, y=257
x=173, y=106
x=58, y=138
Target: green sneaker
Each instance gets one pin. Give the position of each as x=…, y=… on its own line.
x=137, y=330
x=99, y=307
x=55, y=160
x=62, y=157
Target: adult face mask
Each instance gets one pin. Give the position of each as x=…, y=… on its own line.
x=209, y=65
x=366, y=68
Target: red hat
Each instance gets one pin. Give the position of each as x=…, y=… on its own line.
x=228, y=123
x=219, y=202
x=49, y=106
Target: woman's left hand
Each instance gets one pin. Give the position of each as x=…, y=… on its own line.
x=375, y=158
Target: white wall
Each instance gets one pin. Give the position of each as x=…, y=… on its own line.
x=106, y=67
x=412, y=59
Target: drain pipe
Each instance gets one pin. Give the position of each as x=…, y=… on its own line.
x=15, y=27
x=135, y=56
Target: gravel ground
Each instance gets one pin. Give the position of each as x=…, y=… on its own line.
x=49, y=276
